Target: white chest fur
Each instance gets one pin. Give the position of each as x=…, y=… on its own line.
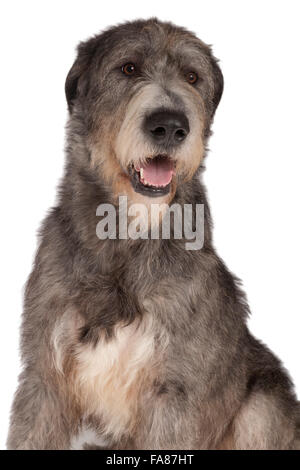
x=111, y=377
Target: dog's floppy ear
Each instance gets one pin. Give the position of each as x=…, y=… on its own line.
x=218, y=84
x=77, y=79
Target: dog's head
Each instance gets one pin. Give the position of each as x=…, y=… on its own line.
x=146, y=92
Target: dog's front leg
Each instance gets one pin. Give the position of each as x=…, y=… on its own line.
x=38, y=421
x=166, y=425
x=264, y=423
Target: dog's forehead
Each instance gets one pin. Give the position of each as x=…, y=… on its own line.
x=155, y=43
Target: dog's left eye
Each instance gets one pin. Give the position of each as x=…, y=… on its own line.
x=192, y=77
x=128, y=69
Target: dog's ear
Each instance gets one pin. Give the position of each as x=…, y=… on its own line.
x=78, y=78
x=218, y=84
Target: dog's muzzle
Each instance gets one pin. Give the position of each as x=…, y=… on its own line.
x=166, y=129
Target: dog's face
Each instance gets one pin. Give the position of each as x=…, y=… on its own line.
x=147, y=92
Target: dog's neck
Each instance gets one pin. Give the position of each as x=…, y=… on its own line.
x=149, y=261
x=83, y=190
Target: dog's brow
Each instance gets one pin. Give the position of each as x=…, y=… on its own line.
x=192, y=53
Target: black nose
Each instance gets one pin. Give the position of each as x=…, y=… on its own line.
x=167, y=127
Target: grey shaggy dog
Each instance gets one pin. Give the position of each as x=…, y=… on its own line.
x=141, y=344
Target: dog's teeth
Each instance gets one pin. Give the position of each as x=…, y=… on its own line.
x=146, y=183
x=142, y=172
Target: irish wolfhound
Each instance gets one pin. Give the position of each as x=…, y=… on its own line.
x=141, y=343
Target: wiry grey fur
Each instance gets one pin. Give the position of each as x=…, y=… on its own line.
x=211, y=384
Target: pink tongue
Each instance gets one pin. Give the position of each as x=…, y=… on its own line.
x=158, y=172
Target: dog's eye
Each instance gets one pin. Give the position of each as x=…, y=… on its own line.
x=192, y=77
x=128, y=69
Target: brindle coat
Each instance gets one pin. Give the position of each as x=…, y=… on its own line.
x=142, y=341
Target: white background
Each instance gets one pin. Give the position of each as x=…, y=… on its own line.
x=253, y=169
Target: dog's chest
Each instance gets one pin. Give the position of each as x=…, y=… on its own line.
x=115, y=376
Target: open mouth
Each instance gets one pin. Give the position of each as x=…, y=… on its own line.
x=153, y=178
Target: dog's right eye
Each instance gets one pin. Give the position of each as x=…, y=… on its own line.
x=128, y=69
